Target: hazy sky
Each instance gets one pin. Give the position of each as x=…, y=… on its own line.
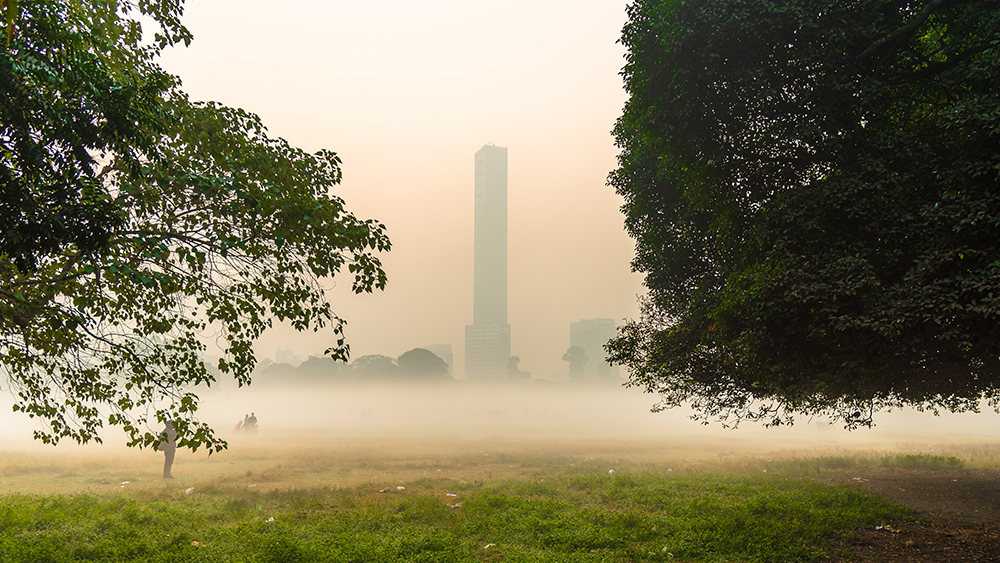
x=406, y=93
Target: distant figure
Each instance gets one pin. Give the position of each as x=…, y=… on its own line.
x=251, y=424
x=168, y=445
x=246, y=423
x=239, y=426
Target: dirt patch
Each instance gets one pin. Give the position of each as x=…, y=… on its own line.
x=961, y=510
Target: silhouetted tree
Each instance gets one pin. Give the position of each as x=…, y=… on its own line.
x=577, y=359
x=374, y=366
x=514, y=369
x=422, y=364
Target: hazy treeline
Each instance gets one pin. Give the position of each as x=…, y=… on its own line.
x=417, y=365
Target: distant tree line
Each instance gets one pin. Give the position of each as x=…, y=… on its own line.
x=417, y=365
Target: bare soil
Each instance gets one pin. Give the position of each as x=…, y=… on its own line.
x=961, y=510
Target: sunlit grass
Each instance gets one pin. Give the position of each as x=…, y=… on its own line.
x=583, y=513
x=302, y=498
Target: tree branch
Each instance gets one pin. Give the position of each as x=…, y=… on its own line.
x=907, y=29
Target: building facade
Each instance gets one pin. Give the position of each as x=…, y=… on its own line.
x=487, y=339
x=592, y=335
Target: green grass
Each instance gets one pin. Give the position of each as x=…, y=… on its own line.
x=819, y=465
x=576, y=514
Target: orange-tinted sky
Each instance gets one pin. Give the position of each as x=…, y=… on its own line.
x=406, y=92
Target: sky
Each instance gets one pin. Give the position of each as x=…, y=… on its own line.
x=406, y=93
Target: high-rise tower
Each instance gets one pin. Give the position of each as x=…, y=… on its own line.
x=487, y=339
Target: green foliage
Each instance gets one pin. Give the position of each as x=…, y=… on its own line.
x=77, y=85
x=582, y=517
x=163, y=220
x=814, y=190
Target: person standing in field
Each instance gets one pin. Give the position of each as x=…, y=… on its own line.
x=167, y=445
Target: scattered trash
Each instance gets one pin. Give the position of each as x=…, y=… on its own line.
x=611, y=471
x=271, y=519
x=489, y=545
x=400, y=488
x=887, y=528
x=125, y=482
x=456, y=505
x=385, y=490
x=189, y=490
x=196, y=543
x=450, y=495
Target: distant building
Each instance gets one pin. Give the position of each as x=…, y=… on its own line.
x=443, y=351
x=592, y=335
x=285, y=356
x=487, y=339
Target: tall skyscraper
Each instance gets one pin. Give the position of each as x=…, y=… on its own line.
x=487, y=339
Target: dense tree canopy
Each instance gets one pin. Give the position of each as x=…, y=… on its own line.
x=137, y=223
x=814, y=191
x=421, y=364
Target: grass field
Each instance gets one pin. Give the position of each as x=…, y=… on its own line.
x=300, y=498
x=488, y=489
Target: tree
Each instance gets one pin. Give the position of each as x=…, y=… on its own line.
x=202, y=223
x=421, y=363
x=374, y=366
x=75, y=82
x=514, y=370
x=577, y=359
x=813, y=190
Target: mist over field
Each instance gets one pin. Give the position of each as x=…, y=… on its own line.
x=343, y=435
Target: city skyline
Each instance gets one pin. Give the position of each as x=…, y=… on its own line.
x=405, y=94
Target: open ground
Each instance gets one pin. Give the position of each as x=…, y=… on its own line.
x=387, y=438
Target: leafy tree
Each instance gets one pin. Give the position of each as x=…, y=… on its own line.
x=577, y=359
x=374, y=366
x=422, y=363
x=76, y=83
x=514, y=370
x=813, y=189
x=315, y=370
x=179, y=220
